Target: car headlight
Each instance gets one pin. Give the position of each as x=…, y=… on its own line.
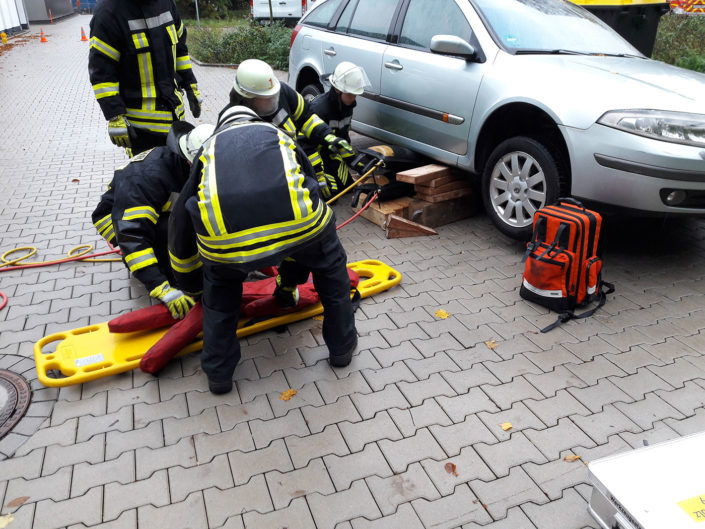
x=675, y=127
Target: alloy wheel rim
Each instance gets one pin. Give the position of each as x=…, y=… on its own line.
x=517, y=188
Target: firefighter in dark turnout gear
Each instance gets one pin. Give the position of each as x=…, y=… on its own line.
x=251, y=201
x=335, y=107
x=138, y=64
x=257, y=88
x=134, y=212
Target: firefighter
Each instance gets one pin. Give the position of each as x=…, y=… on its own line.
x=257, y=88
x=335, y=107
x=134, y=212
x=138, y=64
x=252, y=201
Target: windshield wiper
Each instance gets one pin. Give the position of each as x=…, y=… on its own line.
x=529, y=51
x=619, y=55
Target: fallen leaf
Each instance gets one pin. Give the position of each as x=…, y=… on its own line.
x=286, y=395
x=442, y=314
x=17, y=502
x=75, y=180
x=5, y=520
x=318, y=318
x=451, y=469
x=571, y=458
x=506, y=426
x=491, y=344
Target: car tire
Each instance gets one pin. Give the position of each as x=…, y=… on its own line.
x=311, y=91
x=520, y=176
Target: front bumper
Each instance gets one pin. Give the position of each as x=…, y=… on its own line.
x=630, y=171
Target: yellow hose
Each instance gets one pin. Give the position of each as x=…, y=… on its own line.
x=73, y=253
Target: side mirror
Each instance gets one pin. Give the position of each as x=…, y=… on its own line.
x=452, y=45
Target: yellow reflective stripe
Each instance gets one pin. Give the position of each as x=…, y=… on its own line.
x=140, y=40
x=141, y=212
x=171, y=29
x=180, y=31
x=180, y=107
x=105, y=48
x=343, y=173
x=298, y=194
x=264, y=251
x=103, y=222
x=290, y=127
x=160, y=115
x=154, y=127
x=109, y=235
x=313, y=122
x=138, y=260
x=102, y=90
x=261, y=234
x=183, y=63
x=315, y=158
x=208, y=203
x=299, y=106
x=184, y=266
x=149, y=92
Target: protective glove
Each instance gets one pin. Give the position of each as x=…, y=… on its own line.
x=119, y=131
x=176, y=301
x=194, y=100
x=323, y=185
x=338, y=145
x=288, y=297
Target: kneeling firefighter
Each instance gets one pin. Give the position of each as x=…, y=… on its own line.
x=134, y=212
x=335, y=108
x=257, y=88
x=252, y=201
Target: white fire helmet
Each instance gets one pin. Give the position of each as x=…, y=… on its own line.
x=349, y=78
x=256, y=83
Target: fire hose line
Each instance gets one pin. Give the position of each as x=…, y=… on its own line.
x=79, y=253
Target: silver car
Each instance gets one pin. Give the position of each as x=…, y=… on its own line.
x=538, y=98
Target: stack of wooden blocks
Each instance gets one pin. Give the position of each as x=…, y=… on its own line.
x=442, y=196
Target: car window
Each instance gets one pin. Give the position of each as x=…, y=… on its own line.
x=346, y=17
x=425, y=19
x=321, y=15
x=372, y=18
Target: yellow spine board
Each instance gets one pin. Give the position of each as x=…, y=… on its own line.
x=93, y=352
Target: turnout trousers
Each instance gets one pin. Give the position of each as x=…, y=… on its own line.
x=324, y=258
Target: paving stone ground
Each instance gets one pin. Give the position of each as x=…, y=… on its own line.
x=360, y=447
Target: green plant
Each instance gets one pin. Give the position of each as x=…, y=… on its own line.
x=234, y=45
x=692, y=61
x=680, y=37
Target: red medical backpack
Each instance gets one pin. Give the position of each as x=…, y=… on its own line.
x=563, y=270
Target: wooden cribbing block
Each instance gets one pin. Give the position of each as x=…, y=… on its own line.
x=440, y=213
x=396, y=227
x=449, y=186
x=445, y=196
x=423, y=174
x=377, y=211
x=443, y=180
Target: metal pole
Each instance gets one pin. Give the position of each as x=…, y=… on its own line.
x=271, y=14
x=198, y=19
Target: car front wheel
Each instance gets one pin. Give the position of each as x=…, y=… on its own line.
x=311, y=91
x=521, y=176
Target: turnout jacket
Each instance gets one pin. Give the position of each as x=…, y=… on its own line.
x=137, y=53
x=134, y=212
x=330, y=108
x=251, y=199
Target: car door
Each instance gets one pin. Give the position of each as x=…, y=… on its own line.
x=280, y=8
x=360, y=36
x=429, y=97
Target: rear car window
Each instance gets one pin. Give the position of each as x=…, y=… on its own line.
x=372, y=18
x=321, y=14
x=425, y=19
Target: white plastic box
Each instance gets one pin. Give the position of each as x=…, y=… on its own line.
x=656, y=487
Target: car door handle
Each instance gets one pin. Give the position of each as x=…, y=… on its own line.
x=331, y=52
x=394, y=65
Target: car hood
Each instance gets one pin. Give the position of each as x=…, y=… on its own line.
x=577, y=90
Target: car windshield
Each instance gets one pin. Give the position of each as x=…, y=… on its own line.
x=550, y=26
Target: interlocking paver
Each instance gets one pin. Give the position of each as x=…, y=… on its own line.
x=570, y=512
x=559, y=378
x=318, y=417
x=184, y=481
x=448, y=512
x=118, y=442
x=263, y=432
x=369, y=404
x=466, y=404
x=515, y=489
x=244, y=465
x=404, y=517
x=231, y=415
x=402, y=488
x=646, y=412
x=519, y=417
x=86, y=475
x=175, y=429
x=188, y=513
x=342, y=506
x=90, y=425
x=402, y=453
x=85, y=509
x=693, y=424
x=556, y=476
x=148, y=460
x=505, y=395
x=222, y=505
x=555, y=439
x=118, y=498
x=660, y=432
x=502, y=456
x=303, y=449
x=609, y=421
x=465, y=433
x=296, y=515
x=285, y=487
x=146, y=413
x=468, y=466
x=596, y=397
x=127, y=520
x=368, y=462
x=516, y=519
x=477, y=375
x=55, y=487
x=551, y=409
x=397, y=372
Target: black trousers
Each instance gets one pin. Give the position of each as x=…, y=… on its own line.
x=324, y=258
x=142, y=140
